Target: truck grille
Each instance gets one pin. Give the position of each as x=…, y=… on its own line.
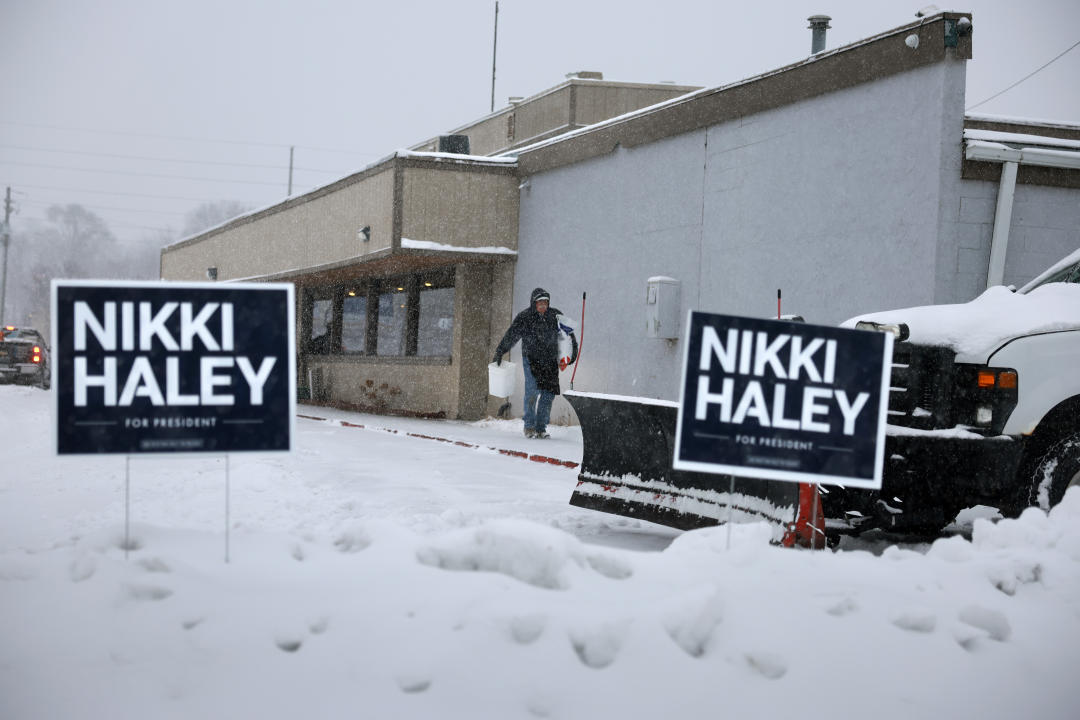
x=920, y=386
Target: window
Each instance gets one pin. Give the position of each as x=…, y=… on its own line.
x=393, y=320
x=410, y=316
x=354, y=324
x=322, y=315
x=435, y=329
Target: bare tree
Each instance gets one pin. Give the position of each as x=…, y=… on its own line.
x=71, y=242
x=211, y=214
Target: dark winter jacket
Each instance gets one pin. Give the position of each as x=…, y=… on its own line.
x=539, y=336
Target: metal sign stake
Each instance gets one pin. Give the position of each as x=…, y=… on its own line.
x=127, y=505
x=226, y=509
x=813, y=521
x=730, y=509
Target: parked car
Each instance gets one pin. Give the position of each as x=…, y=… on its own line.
x=984, y=406
x=24, y=356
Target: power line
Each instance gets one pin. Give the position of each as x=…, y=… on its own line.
x=140, y=174
x=106, y=208
x=122, y=194
x=160, y=159
x=1056, y=58
x=126, y=133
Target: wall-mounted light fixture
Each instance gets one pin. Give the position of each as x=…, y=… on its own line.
x=211, y=273
x=364, y=233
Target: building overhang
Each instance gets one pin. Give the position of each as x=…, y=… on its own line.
x=405, y=260
x=1043, y=154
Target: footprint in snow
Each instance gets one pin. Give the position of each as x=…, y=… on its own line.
x=992, y=622
x=318, y=627
x=148, y=592
x=598, y=647
x=766, y=664
x=82, y=568
x=1008, y=580
x=692, y=627
x=609, y=567
x=526, y=629
x=915, y=621
x=132, y=543
x=413, y=682
x=842, y=608
x=288, y=643
x=192, y=623
x=352, y=542
x=154, y=565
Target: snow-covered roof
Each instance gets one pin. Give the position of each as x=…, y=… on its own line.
x=1017, y=120
x=457, y=157
x=408, y=244
x=1008, y=138
x=978, y=327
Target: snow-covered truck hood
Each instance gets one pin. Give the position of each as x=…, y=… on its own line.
x=975, y=329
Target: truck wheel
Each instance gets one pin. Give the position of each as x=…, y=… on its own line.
x=1056, y=471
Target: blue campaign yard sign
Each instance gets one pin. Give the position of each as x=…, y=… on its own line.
x=157, y=367
x=783, y=401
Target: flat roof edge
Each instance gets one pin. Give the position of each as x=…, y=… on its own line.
x=751, y=95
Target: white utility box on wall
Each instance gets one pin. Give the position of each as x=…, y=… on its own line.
x=662, y=308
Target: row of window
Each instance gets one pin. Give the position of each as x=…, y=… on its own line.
x=411, y=316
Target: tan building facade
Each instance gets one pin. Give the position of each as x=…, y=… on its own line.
x=405, y=270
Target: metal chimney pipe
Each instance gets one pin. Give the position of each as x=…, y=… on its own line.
x=819, y=24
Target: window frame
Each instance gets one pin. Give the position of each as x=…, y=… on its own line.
x=412, y=284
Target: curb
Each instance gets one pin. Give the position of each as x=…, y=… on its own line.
x=502, y=451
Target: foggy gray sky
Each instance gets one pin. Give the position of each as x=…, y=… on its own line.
x=203, y=98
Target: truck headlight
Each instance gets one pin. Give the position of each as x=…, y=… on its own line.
x=899, y=331
x=984, y=397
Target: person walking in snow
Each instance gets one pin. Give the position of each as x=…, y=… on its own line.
x=537, y=327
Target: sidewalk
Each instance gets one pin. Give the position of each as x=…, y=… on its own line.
x=504, y=436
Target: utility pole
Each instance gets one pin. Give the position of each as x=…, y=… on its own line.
x=290, y=170
x=5, y=238
x=494, y=50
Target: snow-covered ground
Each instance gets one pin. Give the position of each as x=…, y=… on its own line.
x=381, y=575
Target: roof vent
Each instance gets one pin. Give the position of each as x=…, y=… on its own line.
x=818, y=25
x=457, y=144
x=586, y=75
x=515, y=99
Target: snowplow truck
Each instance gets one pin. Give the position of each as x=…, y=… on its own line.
x=984, y=407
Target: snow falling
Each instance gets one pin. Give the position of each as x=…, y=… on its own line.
x=377, y=573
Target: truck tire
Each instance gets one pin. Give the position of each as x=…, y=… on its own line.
x=1056, y=471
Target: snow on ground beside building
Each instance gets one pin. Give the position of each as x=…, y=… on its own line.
x=381, y=575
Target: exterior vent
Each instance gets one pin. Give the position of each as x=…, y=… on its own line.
x=457, y=144
x=818, y=25
x=586, y=75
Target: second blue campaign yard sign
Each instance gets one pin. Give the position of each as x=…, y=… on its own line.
x=783, y=401
x=154, y=367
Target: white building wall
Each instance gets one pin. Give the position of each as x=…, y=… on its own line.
x=1045, y=227
x=836, y=200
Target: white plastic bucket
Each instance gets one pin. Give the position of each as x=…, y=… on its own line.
x=501, y=379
